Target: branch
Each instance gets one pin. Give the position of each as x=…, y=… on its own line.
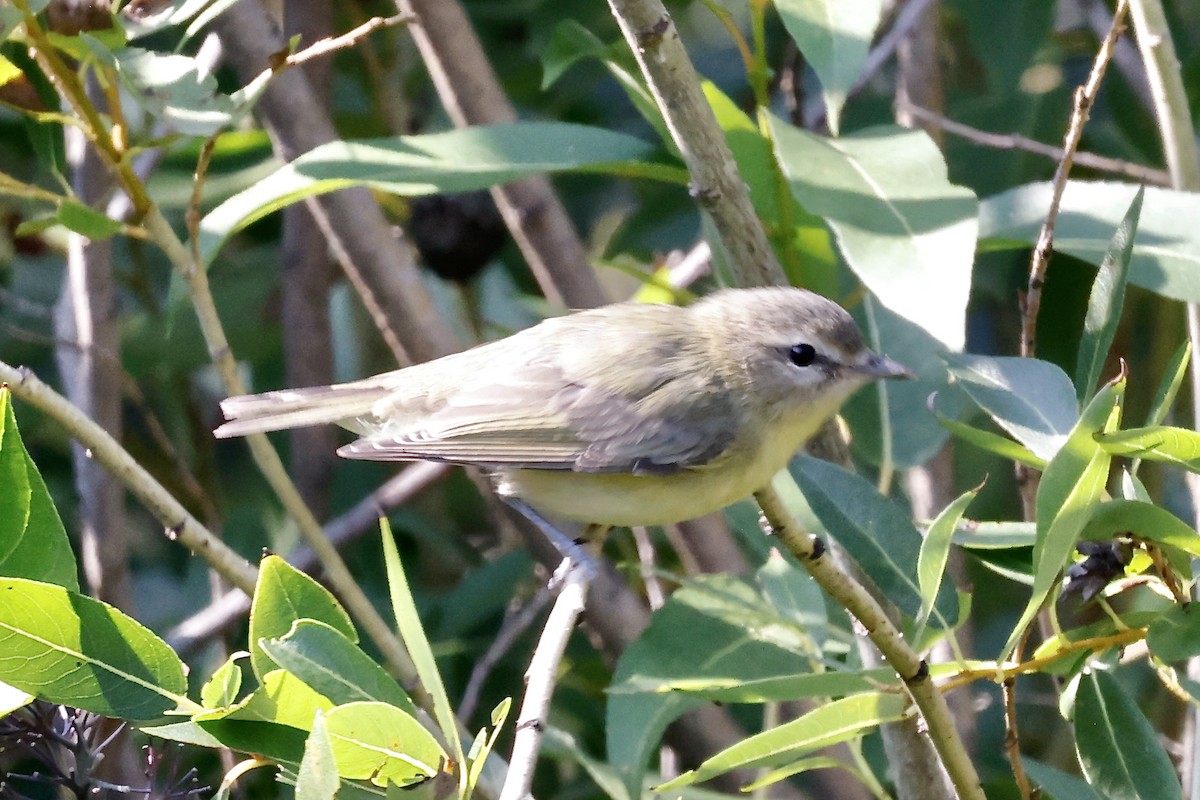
x=541, y=677
x=813, y=556
x=215, y=617
x=1085, y=96
x=715, y=182
x=1015, y=141
x=180, y=526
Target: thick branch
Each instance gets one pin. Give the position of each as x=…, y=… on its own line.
x=811, y=553
x=715, y=182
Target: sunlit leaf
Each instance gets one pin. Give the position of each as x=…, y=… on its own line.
x=33, y=541
x=1166, y=255
x=903, y=228
x=1106, y=301
x=381, y=743
x=835, y=37
x=1178, y=446
x=317, y=778
x=326, y=660
x=1071, y=486
x=1118, y=750
x=282, y=596
x=1032, y=400
x=412, y=633
x=825, y=725
x=935, y=552
x=66, y=648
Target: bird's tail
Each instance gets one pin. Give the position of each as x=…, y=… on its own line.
x=299, y=408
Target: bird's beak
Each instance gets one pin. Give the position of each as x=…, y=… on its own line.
x=875, y=366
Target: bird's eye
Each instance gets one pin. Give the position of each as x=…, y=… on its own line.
x=802, y=354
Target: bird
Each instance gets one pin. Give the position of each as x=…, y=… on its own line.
x=627, y=414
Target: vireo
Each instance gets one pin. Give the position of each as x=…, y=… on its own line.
x=630, y=414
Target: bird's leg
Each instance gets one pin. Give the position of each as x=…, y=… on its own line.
x=567, y=547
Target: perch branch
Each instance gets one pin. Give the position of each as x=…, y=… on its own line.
x=810, y=551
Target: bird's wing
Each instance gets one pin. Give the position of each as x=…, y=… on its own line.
x=661, y=422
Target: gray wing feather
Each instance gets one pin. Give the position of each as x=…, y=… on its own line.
x=671, y=421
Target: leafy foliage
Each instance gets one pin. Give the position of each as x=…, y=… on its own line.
x=924, y=238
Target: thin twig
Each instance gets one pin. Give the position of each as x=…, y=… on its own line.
x=541, y=677
x=342, y=530
x=1015, y=141
x=811, y=553
x=179, y=524
x=515, y=624
x=1085, y=96
x=1012, y=734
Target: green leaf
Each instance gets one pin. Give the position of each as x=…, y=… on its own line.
x=726, y=689
x=1117, y=748
x=177, y=90
x=8, y=71
x=751, y=150
x=825, y=725
x=66, y=648
x=277, y=742
x=33, y=541
x=835, y=37
x=1106, y=301
x=1032, y=400
x=935, y=553
x=800, y=767
x=330, y=663
x=282, y=699
x=1178, y=446
x=1172, y=379
x=1166, y=256
x=12, y=698
x=381, y=743
x=412, y=632
x=85, y=221
x=455, y=161
x=222, y=688
x=1142, y=519
x=1175, y=636
x=484, y=745
x=282, y=596
x=794, y=595
x=903, y=228
x=1056, y=783
x=317, y=778
x=1071, y=486
x=715, y=631
x=913, y=433
x=990, y=442
x=569, y=44
x=876, y=533
x=995, y=535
